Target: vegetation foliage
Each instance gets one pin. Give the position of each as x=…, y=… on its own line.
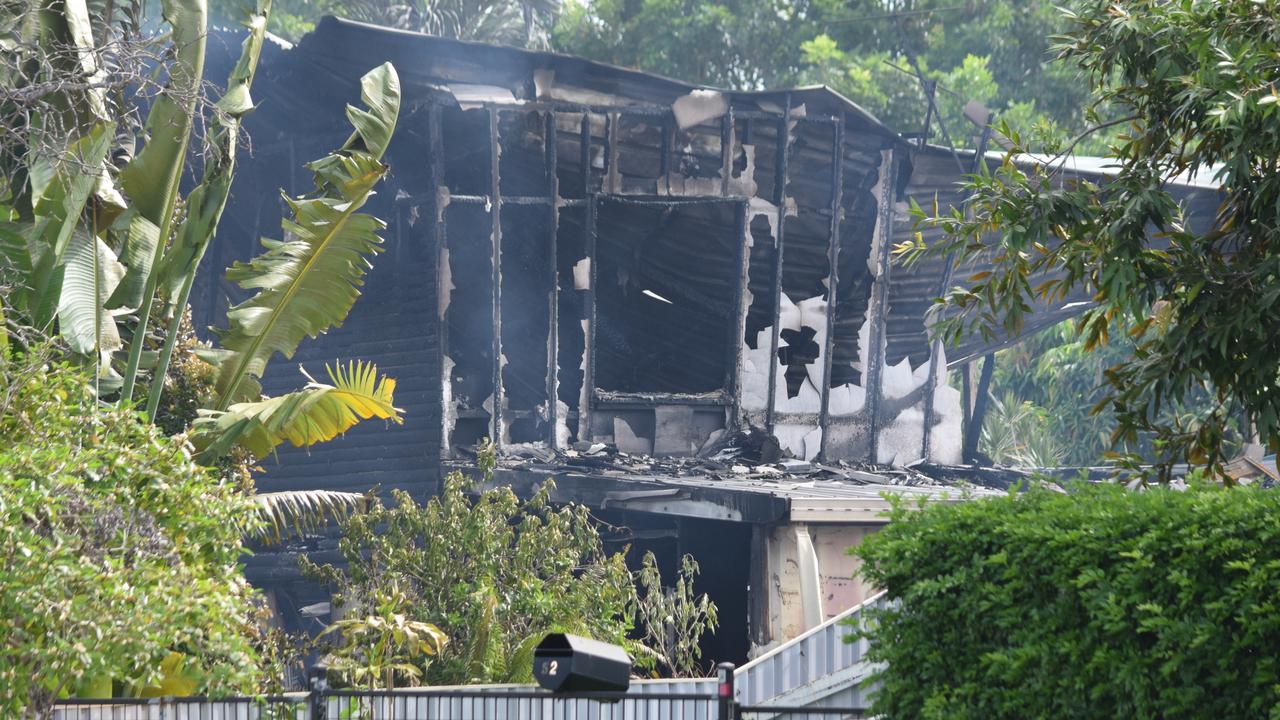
x=495, y=574
x=120, y=551
x=1102, y=603
x=1196, y=83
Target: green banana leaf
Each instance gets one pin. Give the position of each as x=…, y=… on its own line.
x=151, y=177
x=205, y=204
x=60, y=188
x=295, y=512
x=90, y=275
x=307, y=283
x=316, y=413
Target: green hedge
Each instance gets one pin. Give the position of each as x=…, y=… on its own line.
x=116, y=551
x=1103, y=603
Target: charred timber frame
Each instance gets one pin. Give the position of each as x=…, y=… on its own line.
x=833, y=281
x=611, y=187
x=438, y=239
x=553, y=280
x=495, y=235
x=780, y=197
x=589, y=250
x=878, y=310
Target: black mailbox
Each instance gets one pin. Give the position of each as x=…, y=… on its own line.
x=569, y=663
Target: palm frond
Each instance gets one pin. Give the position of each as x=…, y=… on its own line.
x=316, y=413
x=296, y=512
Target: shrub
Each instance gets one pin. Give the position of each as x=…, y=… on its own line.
x=475, y=579
x=1103, y=603
x=119, y=551
x=495, y=573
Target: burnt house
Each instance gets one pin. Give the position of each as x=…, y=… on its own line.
x=619, y=278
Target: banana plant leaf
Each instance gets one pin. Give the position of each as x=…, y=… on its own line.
x=314, y=414
x=308, y=282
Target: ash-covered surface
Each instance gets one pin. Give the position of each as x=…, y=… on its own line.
x=751, y=459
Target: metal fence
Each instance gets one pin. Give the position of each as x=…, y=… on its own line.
x=713, y=699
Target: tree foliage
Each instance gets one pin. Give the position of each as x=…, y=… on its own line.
x=1196, y=82
x=495, y=574
x=1102, y=603
x=1044, y=394
x=119, y=550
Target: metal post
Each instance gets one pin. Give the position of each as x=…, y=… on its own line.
x=726, y=706
x=316, y=696
x=974, y=432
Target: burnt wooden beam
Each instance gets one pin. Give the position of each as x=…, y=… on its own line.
x=589, y=306
x=589, y=376
x=739, y=328
x=553, y=277
x=599, y=490
x=495, y=235
x=612, y=176
x=506, y=200
x=833, y=280
x=878, y=310
x=935, y=344
x=973, y=432
x=726, y=151
x=438, y=239
x=780, y=197
x=664, y=162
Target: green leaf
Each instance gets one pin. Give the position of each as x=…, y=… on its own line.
x=141, y=238
x=295, y=512
x=60, y=189
x=205, y=204
x=308, y=283
x=317, y=413
x=151, y=177
x=91, y=273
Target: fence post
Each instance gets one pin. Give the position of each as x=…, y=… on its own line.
x=319, y=682
x=726, y=708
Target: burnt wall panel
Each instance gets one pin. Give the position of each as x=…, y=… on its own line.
x=392, y=323
x=466, y=151
x=522, y=164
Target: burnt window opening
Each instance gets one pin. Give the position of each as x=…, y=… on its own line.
x=522, y=164
x=697, y=151
x=854, y=293
x=666, y=293
x=466, y=151
x=526, y=286
x=469, y=332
